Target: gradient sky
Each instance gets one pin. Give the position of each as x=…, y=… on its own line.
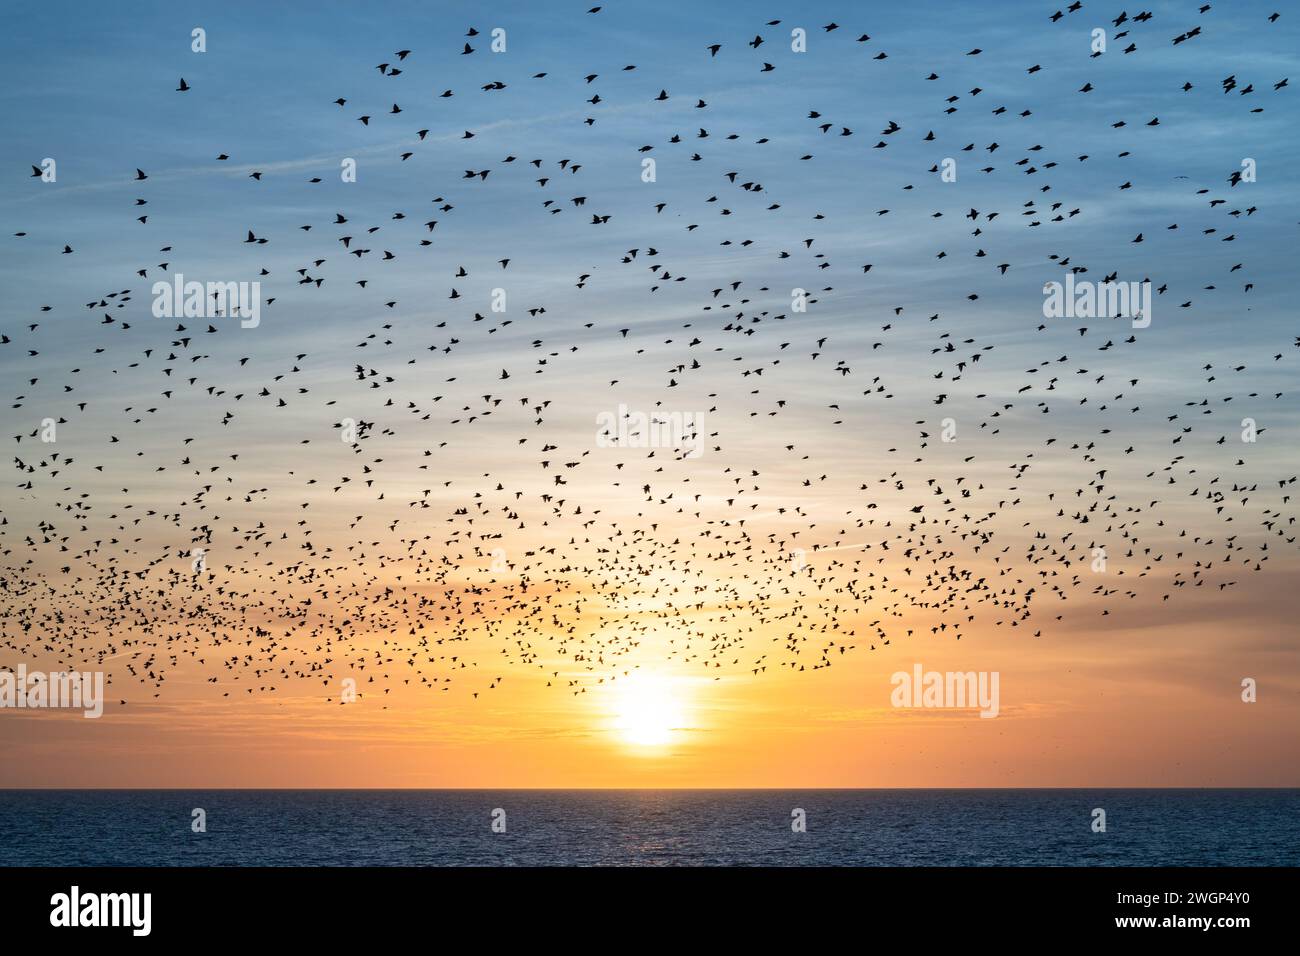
x=1131, y=678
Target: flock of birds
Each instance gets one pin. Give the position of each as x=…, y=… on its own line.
x=157, y=541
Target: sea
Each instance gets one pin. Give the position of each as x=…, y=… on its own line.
x=650, y=827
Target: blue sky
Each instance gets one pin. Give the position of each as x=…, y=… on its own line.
x=100, y=101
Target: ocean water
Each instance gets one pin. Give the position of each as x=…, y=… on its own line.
x=649, y=827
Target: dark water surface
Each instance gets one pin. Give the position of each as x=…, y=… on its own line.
x=650, y=827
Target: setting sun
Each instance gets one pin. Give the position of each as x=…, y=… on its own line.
x=647, y=710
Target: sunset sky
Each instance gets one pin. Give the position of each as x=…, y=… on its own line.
x=521, y=605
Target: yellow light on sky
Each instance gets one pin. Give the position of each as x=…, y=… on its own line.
x=648, y=710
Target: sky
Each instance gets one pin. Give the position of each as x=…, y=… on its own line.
x=521, y=603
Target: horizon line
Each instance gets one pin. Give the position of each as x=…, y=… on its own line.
x=608, y=789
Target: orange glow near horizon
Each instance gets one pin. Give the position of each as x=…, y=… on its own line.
x=1151, y=700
